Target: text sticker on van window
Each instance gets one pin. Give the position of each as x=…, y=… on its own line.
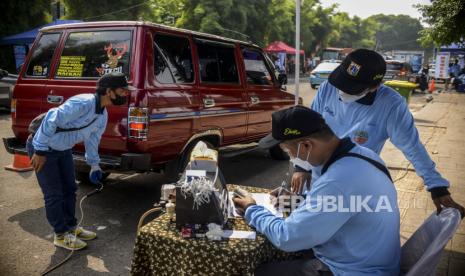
x=114, y=54
x=71, y=66
x=38, y=70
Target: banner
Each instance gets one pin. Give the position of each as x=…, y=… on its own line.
x=441, y=69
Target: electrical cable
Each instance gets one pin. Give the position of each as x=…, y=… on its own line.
x=144, y=215
x=97, y=190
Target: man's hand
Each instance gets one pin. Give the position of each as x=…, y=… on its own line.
x=243, y=202
x=447, y=201
x=37, y=162
x=285, y=197
x=96, y=174
x=299, y=179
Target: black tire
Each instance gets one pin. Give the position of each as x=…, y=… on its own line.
x=175, y=168
x=313, y=86
x=278, y=154
x=83, y=176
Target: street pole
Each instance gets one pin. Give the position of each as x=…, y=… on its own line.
x=297, y=50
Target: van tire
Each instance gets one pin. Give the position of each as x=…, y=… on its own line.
x=313, y=86
x=175, y=168
x=277, y=153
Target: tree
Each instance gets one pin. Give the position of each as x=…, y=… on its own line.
x=20, y=16
x=397, y=32
x=352, y=32
x=97, y=10
x=446, y=20
x=165, y=12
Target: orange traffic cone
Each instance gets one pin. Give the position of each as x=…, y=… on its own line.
x=21, y=163
x=431, y=86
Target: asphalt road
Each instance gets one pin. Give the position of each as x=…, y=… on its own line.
x=26, y=238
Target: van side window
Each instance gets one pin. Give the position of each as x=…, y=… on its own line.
x=217, y=63
x=255, y=67
x=94, y=54
x=41, y=58
x=173, y=59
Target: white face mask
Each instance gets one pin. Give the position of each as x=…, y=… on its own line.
x=347, y=98
x=304, y=164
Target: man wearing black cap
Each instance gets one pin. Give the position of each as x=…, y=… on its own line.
x=356, y=104
x=81, y=118
x=343, y=233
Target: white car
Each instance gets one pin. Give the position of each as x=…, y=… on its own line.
x=321, y=73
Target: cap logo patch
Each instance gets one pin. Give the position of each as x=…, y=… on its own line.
x=353, y=69
x=290, y=131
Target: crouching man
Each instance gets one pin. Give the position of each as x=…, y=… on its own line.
x=350, y=217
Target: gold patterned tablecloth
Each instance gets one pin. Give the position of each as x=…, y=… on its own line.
x=160, y=250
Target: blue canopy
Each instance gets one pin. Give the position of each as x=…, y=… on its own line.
x=29, y=36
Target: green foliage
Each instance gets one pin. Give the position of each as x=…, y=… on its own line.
x=20, y=16
x=397, y=32
x=97, y=10
x=446, y=18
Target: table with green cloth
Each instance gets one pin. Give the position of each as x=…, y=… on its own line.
x=160, y=250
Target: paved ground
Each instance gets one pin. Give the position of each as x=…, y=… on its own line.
x=25, y=237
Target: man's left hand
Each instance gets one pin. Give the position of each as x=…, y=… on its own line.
x=242, y=203
x=447, y=201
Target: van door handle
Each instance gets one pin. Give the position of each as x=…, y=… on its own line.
x=54, y=99
x=208, y=102
x=254, y=99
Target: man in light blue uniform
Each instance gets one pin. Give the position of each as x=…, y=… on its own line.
x=81, y=118
x=355, y=104
x=345, y=238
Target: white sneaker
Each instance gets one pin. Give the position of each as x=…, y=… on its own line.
x=68, y=241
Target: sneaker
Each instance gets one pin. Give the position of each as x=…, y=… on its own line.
x=68, y=241
x=84, y=234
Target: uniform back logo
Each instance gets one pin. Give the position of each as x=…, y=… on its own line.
x=353, y=69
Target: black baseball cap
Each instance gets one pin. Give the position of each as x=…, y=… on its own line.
x=361, y=69
x=292, y=123
x=114, y=80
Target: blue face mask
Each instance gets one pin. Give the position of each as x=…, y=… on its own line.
x=304, y=164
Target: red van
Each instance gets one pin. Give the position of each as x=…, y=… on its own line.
x=190, y=86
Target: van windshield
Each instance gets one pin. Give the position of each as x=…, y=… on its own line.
x=94, y=54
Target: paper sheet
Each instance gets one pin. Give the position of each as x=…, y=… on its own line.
x=237, y=234
x=262, y=199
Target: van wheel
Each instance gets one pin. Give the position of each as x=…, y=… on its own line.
x=83, y=176
x=277, y=153
x=313, y=86
x=175, y=168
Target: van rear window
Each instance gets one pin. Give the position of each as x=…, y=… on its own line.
x=94, y=54
x=41, y=58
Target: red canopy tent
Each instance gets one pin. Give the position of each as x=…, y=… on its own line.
x=281, y=47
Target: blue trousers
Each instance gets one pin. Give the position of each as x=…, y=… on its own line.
x=56, y=179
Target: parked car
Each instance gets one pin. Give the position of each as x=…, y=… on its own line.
x=321, y=73
x=191, y=87
x=398, y=70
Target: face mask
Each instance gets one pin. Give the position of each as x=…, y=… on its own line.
x=347, y=98
x=304, y=164
x=119, y=100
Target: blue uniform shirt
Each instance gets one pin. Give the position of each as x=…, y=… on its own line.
x=76, y=112
x=351, y=242
x=371, y=122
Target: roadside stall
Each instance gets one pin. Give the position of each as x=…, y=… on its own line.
x=201, y=234
x=282, y=50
